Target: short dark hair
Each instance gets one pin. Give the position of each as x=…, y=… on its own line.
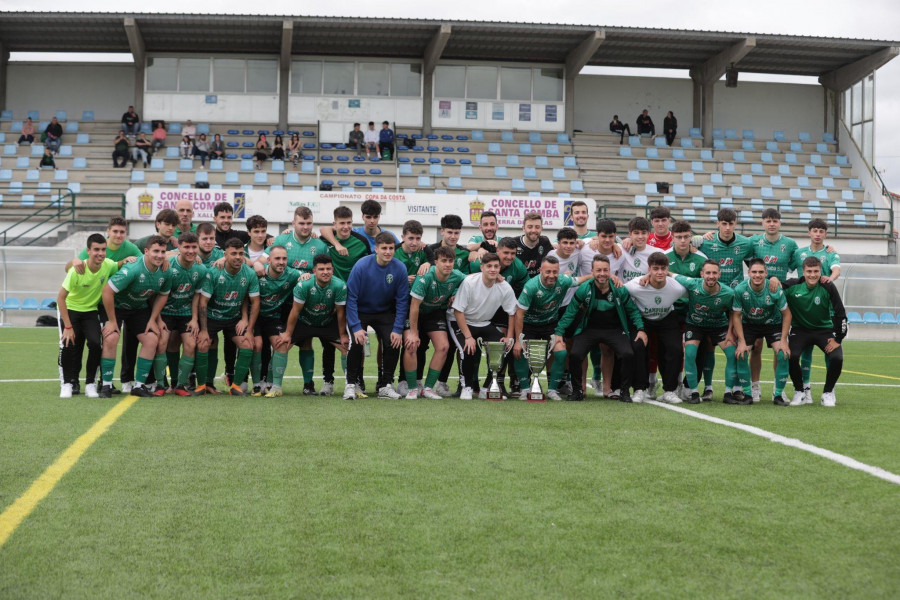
x=205, y=228
x=256, y=221
x=606, y=226
x=771, y=213
x=95, y=238
x=356, y=124
x=188, y=238
x=660, y=212
x=709, y=261
x=385, y=238
x=639, y=224
x=117, y=221
x=233, y=243
x=371, y=122
x=277, y=247
x=818, y=224
x=303, y=212
x=451, y=222
x=222, y=207
x=323, y=257
x=533, y=216
x=756, y=261
x=342, y=212
x=726, y=214
x=566, y=233
x=657, y=259
x=488, y=213
x=599, y=258
x=371, y=208
x=507, y=242
x=413, y=226
x=550, y=259
x=155, y=240
x=489, y=258
x=812, y=261
x=444, y=252
x=681, y=227
x=167, y=216
x=578, y=203
x=385, y=123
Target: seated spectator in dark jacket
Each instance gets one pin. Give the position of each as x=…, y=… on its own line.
x=47, y=160
x=131, y=122
x=278, y=148
x=27, y=132
x=645, y=124
x=121, y=150
x=53, y=135
x=141, y=150
x=262, y=150
x=357, y=140
x=670, y=127
x=386, y=140
x=617, y=126
x=217, y=148
x=201, y=149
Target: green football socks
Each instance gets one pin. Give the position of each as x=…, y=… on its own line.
x=278, y=364
x=307, y=363
x=107, y=368
x=242, y=364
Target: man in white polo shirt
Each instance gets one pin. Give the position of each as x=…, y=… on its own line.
x=656, y=301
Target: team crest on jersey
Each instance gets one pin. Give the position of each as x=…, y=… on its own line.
x=609, y=297
x=783, y=247
x=243, y=281
x=141, y=278
x=768, y=300
x=389, y=278
x=328, y=293
x=689, y=334
x=658, y=300
x=692, y=267
x=161, y=281
x=737, y=251
x=746, y=296
x=540, y=294
x=637, y=262
x=718, y=301
x=816, y=300
x=221, y=279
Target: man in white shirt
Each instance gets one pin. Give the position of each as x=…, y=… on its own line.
x=478, y=298
x=656, y=301
x=371, y=140
x=634, y=263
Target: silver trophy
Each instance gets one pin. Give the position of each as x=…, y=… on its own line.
x=493, y=356
x=536, y=353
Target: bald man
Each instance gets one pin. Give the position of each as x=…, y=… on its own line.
x=185, y=210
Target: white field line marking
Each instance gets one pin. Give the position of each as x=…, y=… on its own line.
x=792, y=442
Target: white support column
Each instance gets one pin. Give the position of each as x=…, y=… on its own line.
x=430, y=59
x=576, y=60
x=709, y=72
x=284, y=73
x=138, y=53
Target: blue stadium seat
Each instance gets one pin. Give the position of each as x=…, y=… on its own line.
x=201, y=177
x=231, y=177
x=419, y=160
x=462, y=138
x=137, y=176
x=260, y=177
x=804, y=136
x=170, y=177
x=678, y=154
x=719, y=144
x=466, y=171
x=716, y=178
x=737, y=191
x=731, y=134
x=478, y=135
x=61, y=175
x=795, y=193
x=748, y=134
x=652, y=152
x=698, y=202
x=869, y=208
x=37, y=150
x=854, y=183
x=791, y=158
x=174, y=127
x=185, y=164
x=688, y=177
x=678, y=189
x=447, y=149
x=706, y=154
x=500, y=172
x=423, y=181
x=785, y=205
x=534, y=137
x=748, y=145
x=27, y=200
x=822, y=148
x=634, y=176
x=860, y=219
x=577, y=186
x=697, y=166
x=669, y=165
x=455, y=183
x=870, y=318
x=507, y=136
x=518, y=185
x=436, y=170
x=309, y=134
x=292, y=179
x=640, y=200
x=525, y=149
x=32, y=175
x=72, y=127
x=687, y=142
x=494, y=147
x=650, y=188
x=231, y=156
x=6, y=115
x=35, y=115
x=216, y=164
x=767, y=193
x=642, y=164
x=12, y=304
x=634, y=140
x=689, y=214
x=888, y=318
x=707, y=190
x=278, y=166
x=728, y=167
x=717, y=134
x=660, y=142
x=746, y=179
x=828, y=138
x=547, y=185
x=558, y=173
x=854, y=317
x=569, y=162
x=695, y=132
x=530, y=173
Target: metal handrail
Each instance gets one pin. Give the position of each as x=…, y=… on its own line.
x=63, y=207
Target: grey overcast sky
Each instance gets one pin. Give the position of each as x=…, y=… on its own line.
x=869, y=19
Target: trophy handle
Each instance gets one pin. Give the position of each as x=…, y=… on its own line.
x=551, y=344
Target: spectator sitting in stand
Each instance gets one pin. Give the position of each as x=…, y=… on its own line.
x=645, y=124
x=186, y=148
x=47, y=160
x=386, y=141
x=27, y=132
x=357, y=140
x=617, y=126
x=141, y=150
x=278, y=149
x=217, y=148
x=262, y=150
x=201, y=149
x=295, y=148
x=121, y=150
x=53, y=135
x=159, y=136
x=131, y=122
x=371, y=139
x=189, y=130
x=670, y=127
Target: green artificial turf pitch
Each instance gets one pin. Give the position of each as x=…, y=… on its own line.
x=297, y=497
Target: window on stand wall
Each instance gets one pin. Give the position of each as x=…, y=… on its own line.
x=373, y=79
x=859, y=106
x=193, y=75
x=339, y=78
x=306, y=77
x=406, y=79
x=262, y=76
x=228, y=75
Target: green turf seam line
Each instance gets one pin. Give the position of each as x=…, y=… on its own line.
x=792, y=442
x=43, y=485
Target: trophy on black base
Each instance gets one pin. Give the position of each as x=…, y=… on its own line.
x=536, y=353
x=493, y=356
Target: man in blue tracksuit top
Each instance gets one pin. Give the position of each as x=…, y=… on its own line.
x=377, y=297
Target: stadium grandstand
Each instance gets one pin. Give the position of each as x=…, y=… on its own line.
x=488, y=116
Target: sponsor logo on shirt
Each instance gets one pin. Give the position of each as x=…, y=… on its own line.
x=817, y=300
x=389, y=278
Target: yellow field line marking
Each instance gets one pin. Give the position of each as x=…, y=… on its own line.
x=768, y=360
x=43, y=485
